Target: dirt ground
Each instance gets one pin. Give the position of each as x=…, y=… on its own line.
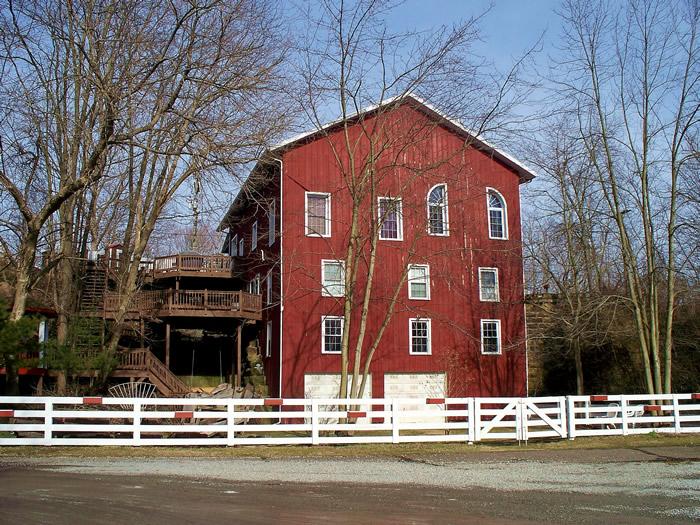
x=652, y=485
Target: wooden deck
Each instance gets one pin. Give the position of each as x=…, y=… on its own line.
x=188, y=303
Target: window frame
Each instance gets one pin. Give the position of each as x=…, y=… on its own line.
x=445, y=212
x=307, y=232
x=271, y=223
x=481, y=291
x=233, y=246
x=324, y=289
x=268, y=289
x=254, y=236
x=399, y=218
x=498, y=336
x=427, y=278
x=504, y=213
x=254, y=285
x=323, y=333
x=410, y=336
x=241, y=247
x=268, y=339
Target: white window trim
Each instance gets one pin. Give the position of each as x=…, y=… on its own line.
x=268, y=340
x=323, y=332
x=306, y=214
x=498, y=290
x=505, y=214
x=410, y=336
x=445, y=208
x=268, y=294
x=271, y=224
x=254, y=236
x=399, y=213
x=427, y=276
x=241, y=247
x=498, y=331
x=234, y=246
x=324, y=291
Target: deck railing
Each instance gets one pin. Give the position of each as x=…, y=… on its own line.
x=171, y=300
x=180, y=263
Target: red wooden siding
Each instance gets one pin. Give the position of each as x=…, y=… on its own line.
x=454, y=308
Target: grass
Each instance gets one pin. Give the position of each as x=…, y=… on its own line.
x=356, y=451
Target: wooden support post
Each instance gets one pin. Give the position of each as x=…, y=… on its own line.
x=239, y=333
x=142, y=329
x=167, y=345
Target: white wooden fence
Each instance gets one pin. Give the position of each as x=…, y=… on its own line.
x=230, y=422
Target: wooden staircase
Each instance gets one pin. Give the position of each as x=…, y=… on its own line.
x=94, y=287
x=142, y=363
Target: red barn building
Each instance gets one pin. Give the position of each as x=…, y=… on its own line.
x=444, y=208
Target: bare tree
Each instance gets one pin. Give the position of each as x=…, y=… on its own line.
x=630, y=78
x=355, y=61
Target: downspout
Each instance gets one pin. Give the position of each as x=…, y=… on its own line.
x=522, y=268
x=281, y=208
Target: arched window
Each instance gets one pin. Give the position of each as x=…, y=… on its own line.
x=498, y=222
x=437, y=210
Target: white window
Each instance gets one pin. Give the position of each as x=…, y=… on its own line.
x=437, y=210
x=268, y=283
x=318, y=214
x=268, y=340
x=419, y=336
x=391, y=219
x=331, y=334
x=490, y=336
x=271, y=224
x=488, y=284
x=241, y=247
x=332, y=278
x=233, y=246
x=498, y=220
x=254, y=236
x=254, y=285
x=419, y=281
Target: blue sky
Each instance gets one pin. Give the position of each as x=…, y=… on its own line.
x=508, y=29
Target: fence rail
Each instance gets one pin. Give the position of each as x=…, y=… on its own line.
x=230, y=422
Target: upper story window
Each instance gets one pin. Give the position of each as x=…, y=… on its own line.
x=437, y=210
x=254, y=236
x=268, y=286
x=331, y=334
x=241, y=247
x=233, y=246
x=490, y=336
x=498, y=223
x=333, y=278
x=419, y=281
x=488, y=284
x=390, y=218
x=254, y=285
x=318, y=214
x=271, y=224
x=420, y=336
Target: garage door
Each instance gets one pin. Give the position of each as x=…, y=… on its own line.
x=327, y=386
x=401, y=386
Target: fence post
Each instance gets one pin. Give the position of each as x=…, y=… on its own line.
x=470, y=420
x=521, y=419
x=570, y=417
x=137, y=423
x=230, y=422
x=477, y=419
x=395, y=436
x=623, y=414
x=563, y=421
x=676, y=414
x=48, y=423
x=314, y=422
